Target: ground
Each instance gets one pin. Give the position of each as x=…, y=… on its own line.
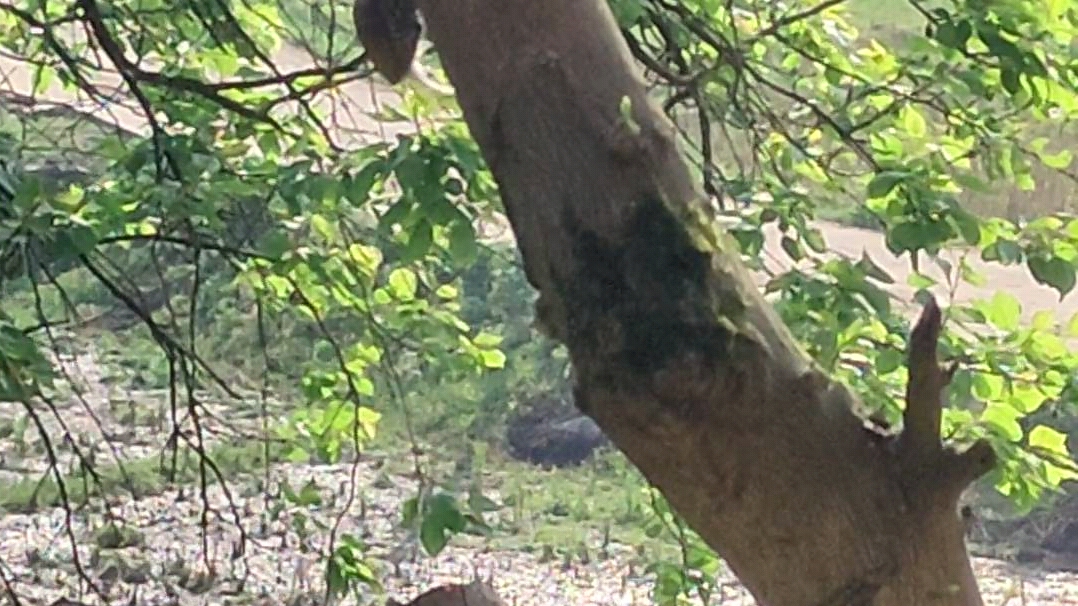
x=153, y=545
x=158, y=548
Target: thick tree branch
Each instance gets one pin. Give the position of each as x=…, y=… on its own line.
x=926, y=388
x=934, y=475
x=677, y=355
x=957, y=470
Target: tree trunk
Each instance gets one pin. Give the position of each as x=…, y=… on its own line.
x=677, y=356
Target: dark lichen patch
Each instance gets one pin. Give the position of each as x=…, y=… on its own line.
x=604, y=283
x=660, y=253
x=650, y=340
x=655, y=283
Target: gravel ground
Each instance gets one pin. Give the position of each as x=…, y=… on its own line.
x=152, y=550
x=160, y=556
x=166, y=562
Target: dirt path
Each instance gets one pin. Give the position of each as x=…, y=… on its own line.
x=349, y=121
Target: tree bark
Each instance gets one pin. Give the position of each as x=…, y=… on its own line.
x=476, y=593
x=677, y=355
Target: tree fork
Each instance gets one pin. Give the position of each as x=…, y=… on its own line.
x=677, y=355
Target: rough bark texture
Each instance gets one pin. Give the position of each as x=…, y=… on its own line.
x=677, y=356
x=476, y=593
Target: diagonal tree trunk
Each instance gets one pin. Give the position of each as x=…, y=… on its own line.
x=677, y=355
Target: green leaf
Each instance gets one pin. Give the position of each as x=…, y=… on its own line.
x=888, y=361
x=274, y=243
x=348, y=565
x=699, y=557
x=419, y=241
x=308, y=496
x=403, y=284
x=487, y=340
x=442, y=519
x=792, y=248
x=914, y=123
x=954, y=35
x=462, y=242
x=1003, y=310
x=366, y=258
x=409, y=512
x=1059, y=161
x=883, y=183
x=1003, y=420
x=323, y=228
x=493, y=359
x=872, y=270
x=70, y=199
x=906, y=237
x=1048, y=439
x=1026, y=399
x=1009, y=77
x=447, y=292
x=398, y=212
x=72, y=241
x=480, y=503
x=1054, y=272
x=1043, y=320
x=990, y=34
x=1005, y=252
x=987, y=387
x=967, y=225
x=1072, y=326
x=298, y=455
x=16, y=346
x=920, y=281
x=815, y=240
x=44, y=76
x=368, y=419
x=364, y=386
